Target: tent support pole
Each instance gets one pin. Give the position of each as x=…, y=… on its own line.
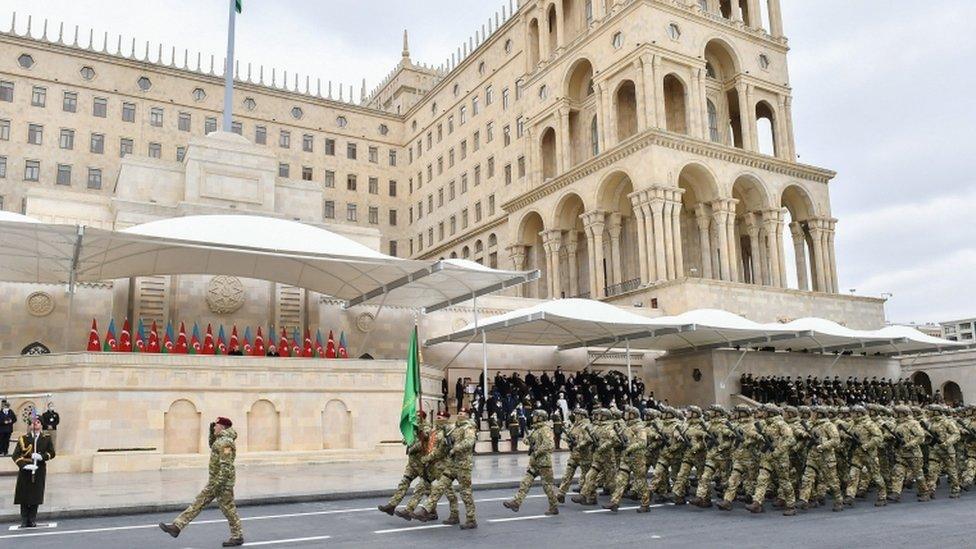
x=484, y=356
x=598, y=357
x=630, y=382
x=734, y=368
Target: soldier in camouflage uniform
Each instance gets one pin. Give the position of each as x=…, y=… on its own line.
x=632, y=463
x=821, y=463
x=942, y=452
x=670, y=455
x=414, y=468
x=867, y=439
x=842, y=420
x=744, y=456
x=432, y=466
x=603, y=459
x=580, y=451
x=774, y=463
x=461, y=443
x=800, y=431
x=910, y=436
x=694, y=454
x=220, y=485
x=720, y=441
x=541, y=441
x=967, y=424
x=655, y=437
x=882, y=416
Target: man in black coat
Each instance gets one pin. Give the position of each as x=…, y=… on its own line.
x=34, y=449
x=7, y=421
x=50, y=421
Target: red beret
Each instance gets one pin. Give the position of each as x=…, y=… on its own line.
x=224, y=421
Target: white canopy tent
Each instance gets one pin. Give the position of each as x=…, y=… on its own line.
x=241, y=245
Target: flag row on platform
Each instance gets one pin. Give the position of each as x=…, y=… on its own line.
x=193, y=343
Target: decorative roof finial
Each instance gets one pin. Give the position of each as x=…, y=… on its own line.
x=406, y=45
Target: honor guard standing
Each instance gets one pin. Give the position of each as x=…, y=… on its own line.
x=8, y=419
x=580, y=439
x=34, y=449
x=540, y=440
x=50, y=421
x=414, y=468
x=495, y=432
x=220, y=485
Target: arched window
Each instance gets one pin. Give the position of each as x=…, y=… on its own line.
x=548, y=154
x=674, y=104
x=626, y=110
x=713, y=123
x=766, y=126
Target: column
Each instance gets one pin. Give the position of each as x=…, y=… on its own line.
x=517, y=255
x=601, y=119
x=552, y=241
x=747, y=116
x=695, y=105
x=635, y=201
x=733, y=243
x=532, y=156
x=720, y=215
x=572, y=245
x=816, y=239
x=611, y=116
x=679, y=258
x=565, y=146
x=547, y=252
x=641, y=96
x=614, y=226
x=666, y=211
x=656, y=205
x=751, y=117
x=595, y=222
x=755, y=265
x=755, y=18
x=771, y=221
x=788, y=118
x=782, y=132
x=650, y=90
x=831, y=259
x=662, y=115
x=800, y=252
x=599, y=10
x=736, y=11
x=704, y=238
x=780, y=241
x=560, y=27
x=775, y=19
x=544, y=52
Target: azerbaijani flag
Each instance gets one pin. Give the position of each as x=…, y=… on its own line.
x=139, y=346
x=111, y=344
x=168, y=346
x=343, y=352
x=153, y=345
x=246, y=351
x=319, y=350
x=296, y=345
x=195, y=345
x=411, y=391
x=221, y=342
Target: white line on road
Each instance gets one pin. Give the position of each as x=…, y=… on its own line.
x=530, y=517
x=277, y=541
x=623, y=508
x=410, y=528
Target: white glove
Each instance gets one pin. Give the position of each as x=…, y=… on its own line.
x=37, y=457
x=30, y=467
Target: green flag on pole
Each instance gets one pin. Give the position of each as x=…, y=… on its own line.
x=411, y=391
x=237, y=5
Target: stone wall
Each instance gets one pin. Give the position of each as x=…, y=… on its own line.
x=944, y=370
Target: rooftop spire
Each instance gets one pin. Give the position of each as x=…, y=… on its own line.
x=406, y=45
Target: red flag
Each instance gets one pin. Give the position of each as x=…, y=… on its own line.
x=208, y=342
x=307, y=350
x=93, y=344
x=182, y=346
x=258, y=349
x=234, y=344
x=284, y=348
x=153, y=346
x=330, y=347
x=125, y=340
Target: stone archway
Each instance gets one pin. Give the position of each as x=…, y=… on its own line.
x=952, y=394
x=529, y=254
x=263, y=427
x=707, y=226
x=922, y=379
x=336, y=426
x=621, y=239
x=181, y=428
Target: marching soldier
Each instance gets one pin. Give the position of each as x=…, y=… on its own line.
x=909, y=436
x=414, y=468
x=632, y=469
x=31, y=454
x=720, y=440
x=540, y=440
x=867, y=439
x=821, y=464
x=461, y=442
x=671, y=454
x=580, y=439
x=967, y=424
x=602, y=457
x=743, y=457
x=694, y=455
x=942, y=452
x=774, y=462
x=220, y=485
x=432, y=466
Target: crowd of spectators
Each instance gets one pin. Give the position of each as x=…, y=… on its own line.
x=797, y=391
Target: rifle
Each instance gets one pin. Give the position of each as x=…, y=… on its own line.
x=683, y=436
x=621, y=437
x=571, y=440
x=449, y=438
x=767, y=442
x=968, y=431
x=736, y=432
x=899, y=440
x=928, y=430
x=854, y=438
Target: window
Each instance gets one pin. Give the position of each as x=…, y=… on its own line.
x=489, y=95
x=519, y=127
x=328, y=210
x=155, y=150
x=4, y=130
x=713, y=122
x=464, y=149
x=6, y=91
x=505, y=99
x=430, y=140
x=440, y=231
x=70, y=102
x=508, y=174
x=97, y=143
x=39, y=96
x=430, y=172
x=450, y=191
x=180, y=153
x=125, y=147
x=374, y=155
x=284, y=139
x=342, y=122
x=260, y=135
x=440, y=165
x=330, y=147
x=543, y=91
x=519, y=89
x=350, y=182
x=393, y=218
x=430, y=236
x=237, y=127
x=183, y=122
x=393, y=159
x=307, y=141
x=463, y=115
x=351, y=213
x=67, y=140
x=450, y=124
x=329, y=179
x=440, y=132
x=306, y=173
x=618, y=40
x=764, y=61
x=100, y=107
x=94, y=178
x=476, y=140
x=508, y=46
x=521, y=166
x=129, y=112
x=477, y=212
x=374, y=185
x=453, y=225
x=64, y=175
x=475, y=106
x=297, y=113
x=384, y=129
x=250, y=103
x=477, y=175
x=491, y=205
x=393, y=248
x=464, y=183
x=481, y=68
x=87, y=73
x=351, y=151
x=35, y=134
x=507, y=136
x=3, y=174
x=144, y=83
x=456, y=89
x=32, y=170
x=393, y=188
x=440, y=197
x=156, y=117
x=430, y=203
x=464, y=219
x=209, y=125
x=489, y=132
x=283, y=169
x=491, y=167
x=450, y=158
x=420, y=209
x=374, y=215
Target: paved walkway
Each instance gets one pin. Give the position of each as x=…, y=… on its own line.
x=90, y=494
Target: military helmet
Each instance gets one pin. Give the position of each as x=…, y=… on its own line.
x=718, y=409
x=651, y=413
x=615, y=413
x=790, y=410
x=934, y=407
x=694, y=411
x=859, y=410
x=773, y=409
x=580, y=412
x=742, y=409
x=902, y=409
x=540, y=415
x=631, y=412
x=804, y=410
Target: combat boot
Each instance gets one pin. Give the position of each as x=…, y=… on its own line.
x=724, y=505
x=838, y=506
x=780, y=503
x=679, y=500
x=612, y=507
x=953, y=495
x=894, y=498
x=924, y=498
x=755, y=507
x=451, y=520
x=802, y=504
x=849, y=502
x=703, y=503
x=881, y=502
x=644, y=509
x=422, y=514
x=233, y=542
x=660, y=498
x=561, y=498
x=404, y=514
x=552, y=511
x=510, y=504
x=170, y=529
x=469, y=525
x=789, y=511
x=388, y=509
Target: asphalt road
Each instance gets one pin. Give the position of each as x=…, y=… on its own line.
x=356, y=523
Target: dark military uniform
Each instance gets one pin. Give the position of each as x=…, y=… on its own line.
x=30, y=482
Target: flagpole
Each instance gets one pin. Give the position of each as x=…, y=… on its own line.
x=229, y=68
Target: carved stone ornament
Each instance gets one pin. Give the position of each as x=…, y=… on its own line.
x=225, y=294
x=40, y=304
x=364, y=322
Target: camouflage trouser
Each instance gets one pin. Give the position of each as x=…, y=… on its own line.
x=743, y=466
x=969, y=465
x=821, y=472
x=866, y=463
x=423, y=490
x=462, y=474
x=669, y=456
x=577, y=460
x=225, y=500
x=774, y=466
x=401, y=490
x=543, y=472
x=908, y=461
x=600, y=467
x=843, y=467
x=629, y=473
x=943, y=460
x=715, y=464
x=692, y=459
x=797, y=459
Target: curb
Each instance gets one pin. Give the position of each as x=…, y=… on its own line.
x=242, y=502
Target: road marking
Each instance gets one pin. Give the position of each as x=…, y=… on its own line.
x=84, y=531
x=624, y=508
x=41, y=526
x=530, y=517
x=485, y=500
x=410, y=528
x=292, y=540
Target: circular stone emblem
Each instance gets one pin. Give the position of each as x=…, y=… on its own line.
x=225, y=294
x=40, y=304
x=364, y=323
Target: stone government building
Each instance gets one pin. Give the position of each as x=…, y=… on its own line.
x=640, y=152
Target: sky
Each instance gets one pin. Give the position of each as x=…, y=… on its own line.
x=881, y=95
